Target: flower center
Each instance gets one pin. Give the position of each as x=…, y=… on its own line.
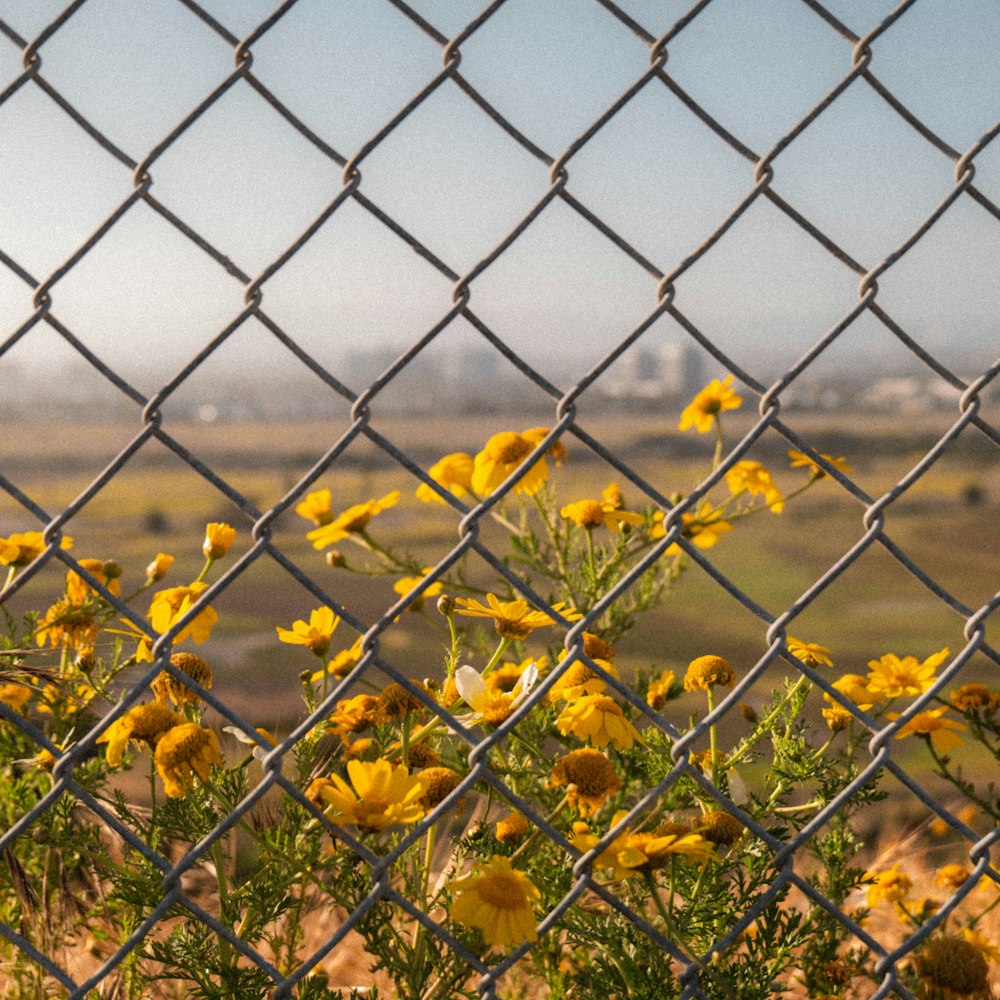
x=502, y=891
x=510, y=448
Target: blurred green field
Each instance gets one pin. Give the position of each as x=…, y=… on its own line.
x=946, y=523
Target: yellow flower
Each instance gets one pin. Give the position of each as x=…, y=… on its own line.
x=314, y=634
x=972, y=699
x=382, y=796
x=837, y=718
x=982, y=944
x=753, y=478
x=14, y=695
x=410, y=583
x=169, y=606
x=951, y=876
x=183, y=752
x=497, y=899
x=502, y=454
x=72, y=626
x=26, y=546
x=855, y=688
x=218, y=538
x=578, y=679
x=942, y=733
x=804, y=461
x=316, y=508
x=889, y=886
x=353, y=520
x=353, y=715
x=892, y=677
x=556, y=451
x=719, y=827
x=512, y=827
x=634, y=853
x=159, y=567
x=78, y=590
x=810, y=653
x=168, y=688
x=590, y=514
x=342, y=664
x=453, y=472
x=438, y=783
x=511, y=619
x=702, y=411
x=704, y=528
x=659, y=691
x=143, y=724
x=598, y=720
x=590, y=779
x=953, y=968
x=612, y=494
x=705, y=672
x=505, y=678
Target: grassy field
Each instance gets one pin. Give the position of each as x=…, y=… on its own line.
x=945, y=523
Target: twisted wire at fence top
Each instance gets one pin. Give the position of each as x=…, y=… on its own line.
x=462, y=286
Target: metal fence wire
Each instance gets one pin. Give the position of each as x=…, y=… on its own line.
x=762, y=182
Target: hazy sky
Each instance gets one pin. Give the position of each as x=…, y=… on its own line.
x=146, y=297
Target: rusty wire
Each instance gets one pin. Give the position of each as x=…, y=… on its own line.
x=763, y=182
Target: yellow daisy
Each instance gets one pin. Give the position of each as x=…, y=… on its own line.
x=893, y=677
x=453, y=472
x=169, y=606
x=498, y=900
x=810, y=653
x=590, y=514
x=314, y=634
x=799, y=460
x=502, y=455
x=143, y=724
x=942, y=733
x=218, y=539
x=598, y=720
x=511, y=619
x=183, y=752
x=382, y=795
x=703, y=410
x=351, y=521
x=753, y=478
x=410, y=583
x=316, y=507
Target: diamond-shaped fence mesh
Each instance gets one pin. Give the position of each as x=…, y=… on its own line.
x=116, y=201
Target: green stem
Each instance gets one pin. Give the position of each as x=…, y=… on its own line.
x=765, y=724
x=200, y=578
x=665, y=916
x=495, y=658
x=713, y=738
x=369, y=543
x=720, y=443
x=452, y=665
x=425, y=881
x=591, y=560
x=225, y=949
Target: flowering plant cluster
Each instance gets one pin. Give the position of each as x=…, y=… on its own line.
x=524, y=808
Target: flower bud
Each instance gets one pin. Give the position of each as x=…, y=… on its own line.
x=111, y=569
x=218, y=537
x=159, y=567
x=446, y=605
x=335, y=558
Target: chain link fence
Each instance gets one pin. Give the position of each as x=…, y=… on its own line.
x=763, y=183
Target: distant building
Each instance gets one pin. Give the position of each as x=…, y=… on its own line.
x=657, y=371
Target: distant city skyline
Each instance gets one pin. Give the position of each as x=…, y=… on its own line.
x=145, y=298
